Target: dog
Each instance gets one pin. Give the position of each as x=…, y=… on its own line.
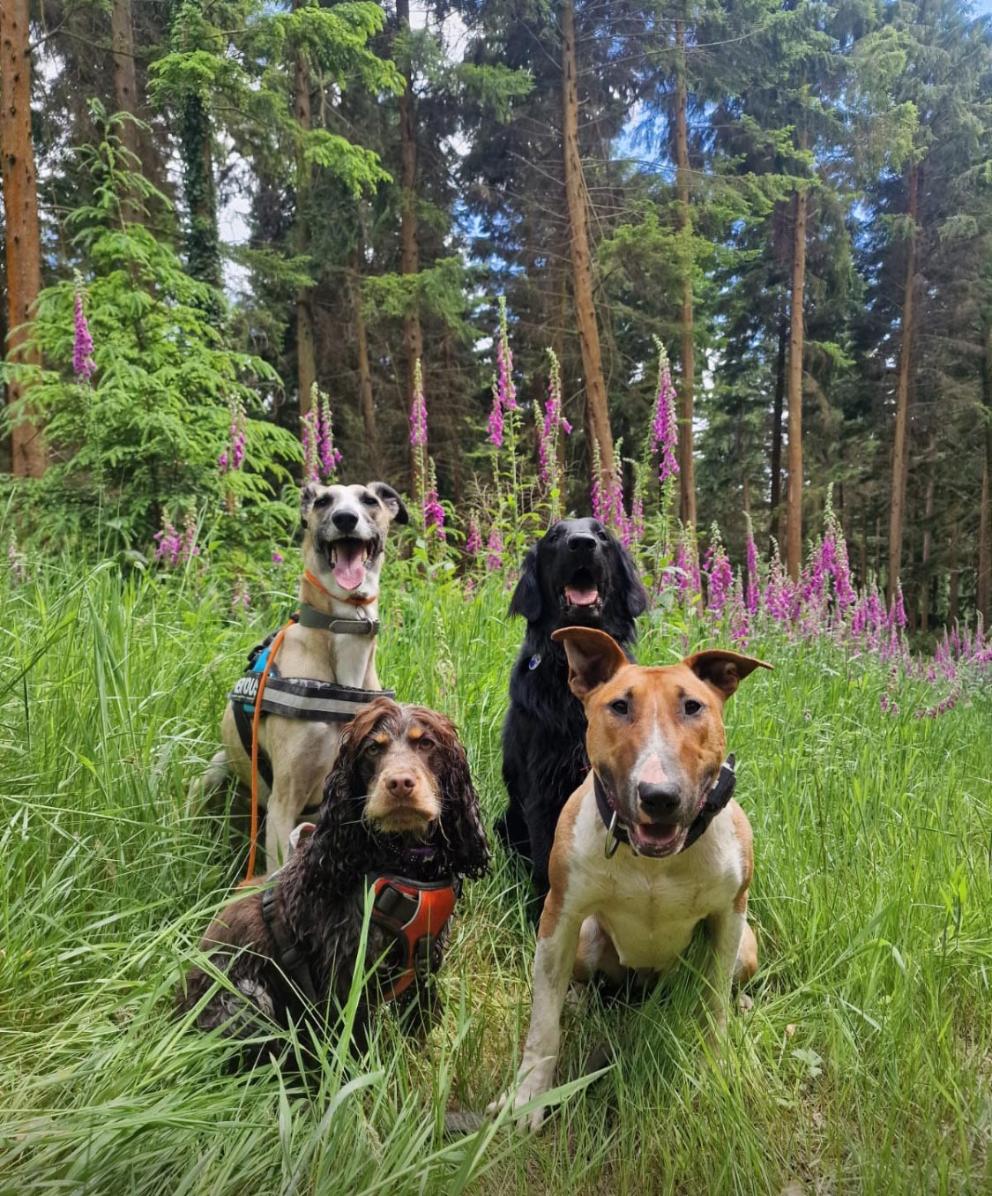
x=399, y=816
x=344, y=539
x=649, y=846
x=577, y=574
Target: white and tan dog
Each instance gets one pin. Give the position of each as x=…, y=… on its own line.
x=639, y=865
x=344, y=539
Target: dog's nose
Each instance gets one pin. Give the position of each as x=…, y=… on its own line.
x=400, y=785
x=344, y=521
x=659, y=802
x=581, y=542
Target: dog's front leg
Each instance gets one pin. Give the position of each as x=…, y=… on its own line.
x=556, y=946
x=280, y=818
x=725, y=930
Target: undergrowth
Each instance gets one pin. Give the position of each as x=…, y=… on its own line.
x=863, y=1065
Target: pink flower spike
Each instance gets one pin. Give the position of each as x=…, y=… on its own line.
x=82, y=346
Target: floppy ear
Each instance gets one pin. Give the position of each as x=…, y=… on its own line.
x=634, y=593
x=593, y=658
x=527, y=600
x=391, y=501
x=461, y=825
x=722, y=669
x=308, y=496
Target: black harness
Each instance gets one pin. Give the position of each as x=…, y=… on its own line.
x=299, y=697
x=716, y=800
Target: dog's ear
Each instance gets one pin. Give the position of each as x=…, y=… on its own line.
x=722, y=669
x=308, y=496
x=634, y=594
x=593, y=658
x=461, y=825
x=527, y=600
x=391, y=501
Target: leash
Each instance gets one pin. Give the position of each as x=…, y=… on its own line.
x=255, y=721
x=352, y=601
x=715, y=800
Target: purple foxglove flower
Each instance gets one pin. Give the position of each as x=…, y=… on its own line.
x=494, y=550
x=664, y=427
x=82, y=345
x=473, y=540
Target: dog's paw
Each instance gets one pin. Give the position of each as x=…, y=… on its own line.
x=516, y=1101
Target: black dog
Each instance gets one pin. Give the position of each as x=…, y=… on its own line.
x=400, y=814
x=577, y=575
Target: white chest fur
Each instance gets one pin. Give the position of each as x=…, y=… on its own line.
x=648, y=907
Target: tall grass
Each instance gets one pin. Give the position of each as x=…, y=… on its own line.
x=863, y=1066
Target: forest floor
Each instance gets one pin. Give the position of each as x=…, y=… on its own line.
x=864, y=1064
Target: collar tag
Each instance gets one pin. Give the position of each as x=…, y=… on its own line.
x=534, y=661
x=612, y=841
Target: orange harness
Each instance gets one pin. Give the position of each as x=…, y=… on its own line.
x=416, y=912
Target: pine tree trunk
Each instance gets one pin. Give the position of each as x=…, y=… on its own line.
x=413, y=340
x=306, y=353
x=598, y=414
x=927, y=550
x=364, y=369
x=775, y=500
x=687, y=482
x=985, y=505
x=900, y=447
x=22, y=233
x=794, y=534
x=125, y=78
x=954, y=587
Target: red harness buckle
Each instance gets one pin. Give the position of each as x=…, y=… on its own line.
x=415, y=912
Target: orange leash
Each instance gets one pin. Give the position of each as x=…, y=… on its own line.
x=308, y=576
x=255, y=720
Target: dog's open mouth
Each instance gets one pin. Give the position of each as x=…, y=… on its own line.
x=348, y=558
x=656, y=839
x=582, y=590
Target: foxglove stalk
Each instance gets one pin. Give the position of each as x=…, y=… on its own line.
x=82, y=343
x=494, y=550
x=664, y=429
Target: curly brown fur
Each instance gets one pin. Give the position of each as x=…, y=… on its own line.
x=321, y=890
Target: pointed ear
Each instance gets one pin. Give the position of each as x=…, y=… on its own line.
x=723, y=670
x=391, y=501
x=526, y=598
x=308, y=496
x=593, y=658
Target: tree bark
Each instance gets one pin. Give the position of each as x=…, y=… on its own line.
x=598, y=414
x=775, y=499
x=23, y=234
x=929, y=503
x=985, y=505
x=687, y=482
x=794, y=532
x=125, y=77
x=900, y=447
x=364, y=369
x=413, y=340
x=306, y=353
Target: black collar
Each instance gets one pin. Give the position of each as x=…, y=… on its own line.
x=715, y=801
x=310, y=616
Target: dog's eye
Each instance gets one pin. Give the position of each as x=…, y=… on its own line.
x=372, y=748
x=690, y=707
x=424, y=744
x=370, y=500
x=620, y=706
x=323, y=501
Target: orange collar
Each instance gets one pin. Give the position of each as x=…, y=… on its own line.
x=308, y=576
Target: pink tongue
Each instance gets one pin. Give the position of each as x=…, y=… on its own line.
x=349, y=567
x=577, y=597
